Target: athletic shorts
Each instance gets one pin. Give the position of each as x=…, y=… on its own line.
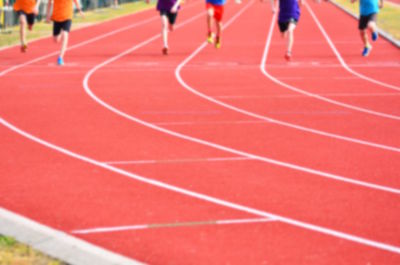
x=283, y=26
x=30, y=18
x=171, y=16
x=64, y=25
x=364, y=20
x=218, y=11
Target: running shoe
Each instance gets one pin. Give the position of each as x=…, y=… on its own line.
x=60, y=61
x=366, y=51
x=165, y=51
x=217, y=42
x=288, y=56
x=210, y=38
x=374, y=36
x=24, y=47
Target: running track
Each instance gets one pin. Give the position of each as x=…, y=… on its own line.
x=299, y=161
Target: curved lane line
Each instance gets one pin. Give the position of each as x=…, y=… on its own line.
x=307, y=226
x=298, y=90
x=203, y=197
x=340, y=58
x=13, y=68
x=210, y=144
x=269, y=119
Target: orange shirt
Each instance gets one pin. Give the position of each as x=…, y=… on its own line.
x=62, y=10
x=28, y=6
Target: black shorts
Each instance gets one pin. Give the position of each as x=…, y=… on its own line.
x=171, y=16
x=64, y=25
x=364, y=20
x=283, y=26
x=30, y=18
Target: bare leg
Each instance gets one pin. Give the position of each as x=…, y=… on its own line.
x=374, y=30
x=290, y=40
x=57, y=38
x=164, y=33
x=164, y=30
x=64, y=43
x=210, y=15
x=364, y=37
x=22, y=30
x=218, y=34
x=372, y=26
x=219, y=28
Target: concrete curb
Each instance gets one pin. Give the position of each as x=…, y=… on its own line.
x=56, y=243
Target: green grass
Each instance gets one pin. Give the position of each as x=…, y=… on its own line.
x=388, y=17
x=41, y=29
x=14, y=253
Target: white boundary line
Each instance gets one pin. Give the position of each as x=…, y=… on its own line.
x=81, y=27
x=56, y=243
x=335, y=102
x=341, y=60
x=182, y=160
x=169, y=225
x=311, y=227
x=394, y=94
x=13, y=68
x=265, y=118
x=214, y=145
x=203, y=197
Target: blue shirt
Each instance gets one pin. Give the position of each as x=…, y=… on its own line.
x=216, y=2
x=368, y=7
x=288, y=9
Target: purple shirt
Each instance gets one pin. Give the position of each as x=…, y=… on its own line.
x=165, y=5
x=288, y=9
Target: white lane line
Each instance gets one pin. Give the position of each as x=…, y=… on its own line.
x=304, y=225
x=298, y=90
x=238, y=152
x=208, y=123
x=211, y=144
x=200, y=196
x=169, y=225
x=13, y=68
x=182, y=160
x=381, y=32
x=341, y=60
x=269, y=119
x=302, y=96
x=214, y=145
x=86, y=26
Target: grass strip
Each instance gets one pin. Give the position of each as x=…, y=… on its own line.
x=41, y=29
x=12, y=252
x=388, y=17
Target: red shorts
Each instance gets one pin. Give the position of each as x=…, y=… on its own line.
x=218, y=11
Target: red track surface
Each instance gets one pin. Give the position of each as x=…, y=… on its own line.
x=68, y=194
